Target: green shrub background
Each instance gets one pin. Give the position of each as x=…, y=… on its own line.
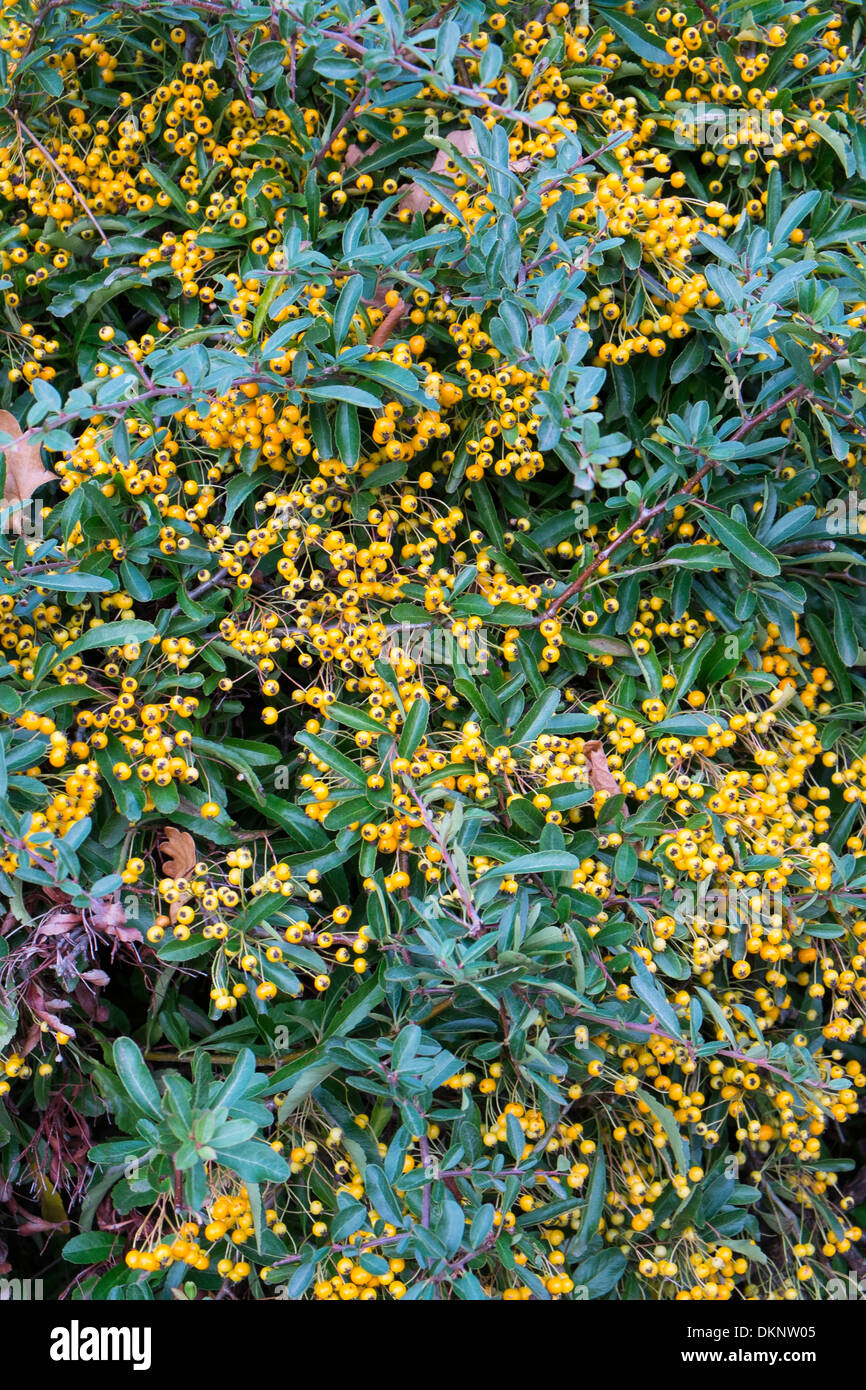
x=432, y=760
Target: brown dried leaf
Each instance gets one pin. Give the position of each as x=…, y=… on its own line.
x=415, y=199
x=109, y=917
x=600, y=776
x=125, y=934
x=381, y=334
x=55, y=895
x=178, y=860
x=42, y=1009
x=378, y=299
x=25, y=471
x=175, y=907
x=97, y=978
x=107, y=914
x=177, y=848
x=58, y=922
x=355, y=153
x=37, y=1227
x=33, y=1035
x=88, y=999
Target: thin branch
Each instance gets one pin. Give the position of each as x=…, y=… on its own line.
x=348, y=115
x=477, y=926
x=646, y=514
x=79, y=197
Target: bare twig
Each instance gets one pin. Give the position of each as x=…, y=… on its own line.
x=476, y=924
x=24, y=130
x=646, y=514
x=348, y=115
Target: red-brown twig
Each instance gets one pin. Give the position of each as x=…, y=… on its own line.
x=476, y=925
x=79, y=197
x=646, y=514
x=350, y=112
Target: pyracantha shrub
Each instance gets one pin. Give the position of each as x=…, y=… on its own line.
x=432, y=759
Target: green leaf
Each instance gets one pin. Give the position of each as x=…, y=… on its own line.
x=347, y=1221
x=357, y=808
x=78, y=582
x=355, y=1009
x=48, y=79
x=829, y=655
x=536, y=720
x=737, y=539
x=692, y=660
x=516, y=1137
x=90, y=1247
x=405, y=1046
x=717, y=1014
x=334, y=759
x=135, y=1076
x=595, y=1197
x=255, y=1200
x=839, y=143
x=795, y=213
x=131, y=630
x=302, y=1276
x=696, y=557
x=414, y=727
x=599, y=1274
x=796, y=42
x=350, y=298
x=670, y=1127
x=843, y=630
x=224, y=753
x=238, y=1082
x=347, y=434
x=625, y=863
x=398, y=379
x=8, y=1021
x=312, y=197
x=339, y=391
x=645, y=987
x=543, y=862
x=487, y=515
x=255, y=1161
x=238, y=490
x=306, y=1081
x=353, y=718
x=135, y=583
x=381, y=1194
x=637, y=37
x=164, y=183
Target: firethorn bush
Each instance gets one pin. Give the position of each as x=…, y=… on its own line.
x=432, y=758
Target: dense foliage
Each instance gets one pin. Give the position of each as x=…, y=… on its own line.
x=432, y=753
